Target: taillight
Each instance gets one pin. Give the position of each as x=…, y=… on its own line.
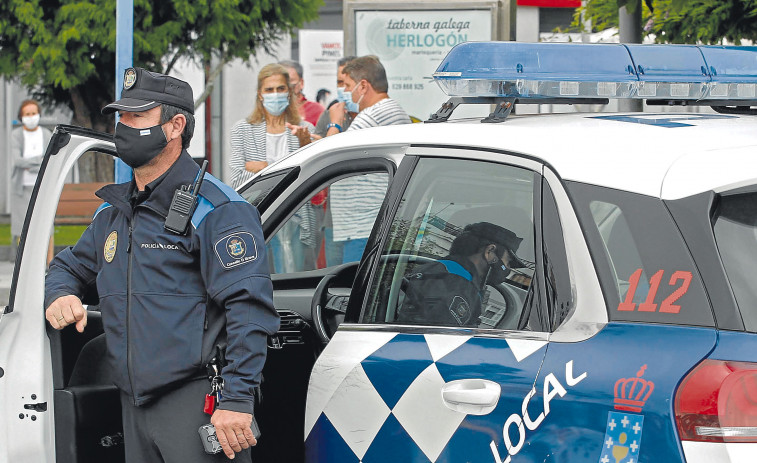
x=717, y=402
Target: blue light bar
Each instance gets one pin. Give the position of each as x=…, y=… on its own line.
x=733, y=71
x=594, y=71
x=537, y=70
x=670, y=71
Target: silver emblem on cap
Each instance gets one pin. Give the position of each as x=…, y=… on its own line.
x=130, y=78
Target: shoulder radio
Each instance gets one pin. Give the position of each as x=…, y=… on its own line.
x=183, y=204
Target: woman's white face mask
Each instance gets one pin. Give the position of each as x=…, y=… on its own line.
x=30, y=122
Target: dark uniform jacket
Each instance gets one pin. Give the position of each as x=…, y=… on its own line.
x=168, y=299
x=442, y=293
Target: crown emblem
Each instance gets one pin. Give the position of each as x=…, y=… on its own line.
x=632, y=393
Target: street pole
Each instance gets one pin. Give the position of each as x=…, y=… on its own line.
x=124, y=60
x=630, y=32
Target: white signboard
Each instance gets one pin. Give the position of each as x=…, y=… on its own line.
x=412, y=43
x=319, y=52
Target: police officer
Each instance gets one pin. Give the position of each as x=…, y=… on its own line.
x=169, y=299
x=449, y=291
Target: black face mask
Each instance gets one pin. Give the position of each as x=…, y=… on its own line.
x=137, y=147
x=497, y=273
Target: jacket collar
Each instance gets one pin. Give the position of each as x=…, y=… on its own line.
x=182, y=172
x=467, y=265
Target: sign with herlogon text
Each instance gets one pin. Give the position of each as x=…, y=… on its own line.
x=412, y=43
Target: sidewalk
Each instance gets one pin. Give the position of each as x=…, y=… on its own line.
x=6, y=274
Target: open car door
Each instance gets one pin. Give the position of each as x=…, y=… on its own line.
x=53, y=408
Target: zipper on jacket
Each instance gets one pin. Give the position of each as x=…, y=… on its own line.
x=129, y=368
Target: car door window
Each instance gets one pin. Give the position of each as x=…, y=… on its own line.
x=331, y=227
x=460, y=250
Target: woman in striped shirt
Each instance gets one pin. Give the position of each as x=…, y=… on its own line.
x=272, y=131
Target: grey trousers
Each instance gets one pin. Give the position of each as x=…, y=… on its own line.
x=165, y=431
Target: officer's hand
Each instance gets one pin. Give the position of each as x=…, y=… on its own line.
x=233, y=431
x=67, y=310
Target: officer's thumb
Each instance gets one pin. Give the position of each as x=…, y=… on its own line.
x=81, y=324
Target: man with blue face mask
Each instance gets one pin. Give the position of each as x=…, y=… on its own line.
x=366, y=92
x=171, y=299
x=324, y=122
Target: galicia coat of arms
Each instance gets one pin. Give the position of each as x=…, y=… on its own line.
x=622, y=441
x=111, y=243
x=236, y=247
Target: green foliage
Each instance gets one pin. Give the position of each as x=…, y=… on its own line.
x=681, y=21
x=706, y=21
x=64, y=50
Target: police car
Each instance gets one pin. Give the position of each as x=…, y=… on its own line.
x=623, y=329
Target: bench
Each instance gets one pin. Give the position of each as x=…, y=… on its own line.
x=78, y=203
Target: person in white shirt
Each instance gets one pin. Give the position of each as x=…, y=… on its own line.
x=355, y=201
x=28, y=145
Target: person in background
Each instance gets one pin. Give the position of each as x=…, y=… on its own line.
x=309, y=110
x=355, y=201
x=273, y=131
x=332, y=251
x=322, y=96
x=366, y=92
x=324, y=122
x=28, y=144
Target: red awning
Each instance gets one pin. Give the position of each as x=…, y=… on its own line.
x=551, y=3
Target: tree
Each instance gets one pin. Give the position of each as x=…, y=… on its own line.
x=682, y=21
x=63, y=51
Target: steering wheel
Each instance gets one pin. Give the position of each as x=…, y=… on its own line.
x=510, y=319
x=326, y=309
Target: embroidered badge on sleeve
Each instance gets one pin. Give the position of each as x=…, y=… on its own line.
x=236, y=249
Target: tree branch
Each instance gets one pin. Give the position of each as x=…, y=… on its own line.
x=210, y=83
x=173, y=61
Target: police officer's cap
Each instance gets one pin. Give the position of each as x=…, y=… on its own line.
x=497, y=235
x=145, y=90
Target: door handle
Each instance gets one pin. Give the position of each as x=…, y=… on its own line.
x=471, y=396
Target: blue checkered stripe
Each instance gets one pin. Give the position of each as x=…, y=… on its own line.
x=622, y=438
x=378, y=413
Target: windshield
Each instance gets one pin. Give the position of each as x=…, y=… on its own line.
x=736, y=235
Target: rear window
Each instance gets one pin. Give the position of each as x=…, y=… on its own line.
x=736, y=235
x=646, y=271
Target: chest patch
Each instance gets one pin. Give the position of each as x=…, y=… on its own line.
x=236, y=249
x=111, y=243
